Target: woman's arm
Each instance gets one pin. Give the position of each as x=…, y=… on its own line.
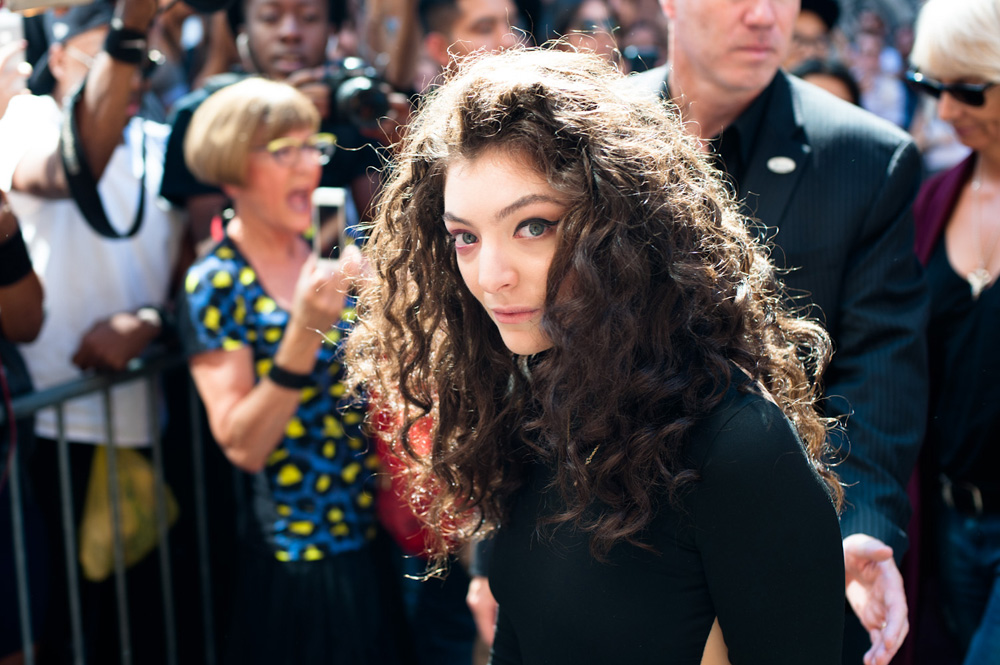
x=770, y=542
x=20, y=292
x=248, y=417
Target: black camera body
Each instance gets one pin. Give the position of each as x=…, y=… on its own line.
x=358, y=97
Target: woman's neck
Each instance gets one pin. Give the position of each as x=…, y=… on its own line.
x=988, y=166
x=265, y=244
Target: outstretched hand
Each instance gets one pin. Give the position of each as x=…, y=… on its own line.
x=874, y=589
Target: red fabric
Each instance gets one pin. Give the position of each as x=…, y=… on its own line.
x=391, y=507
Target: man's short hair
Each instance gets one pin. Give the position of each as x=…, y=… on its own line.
x=233, y=120
x=438, y=15
x=828, y=11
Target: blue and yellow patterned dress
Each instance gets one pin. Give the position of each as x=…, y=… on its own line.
x=319, y=479
x=305, y=567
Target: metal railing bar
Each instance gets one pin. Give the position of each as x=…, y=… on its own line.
x=162, y=521
x=201, y=523
x=69, y=538
x=20, y=559
x=26, y=405
x=114, y=488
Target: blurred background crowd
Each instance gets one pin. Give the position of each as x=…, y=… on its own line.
x=358, y=68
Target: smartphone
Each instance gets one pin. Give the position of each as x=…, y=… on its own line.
x=329, y=221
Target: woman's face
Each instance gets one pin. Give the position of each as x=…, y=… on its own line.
x=503, y=218
x=976, y=126
x=279, y=186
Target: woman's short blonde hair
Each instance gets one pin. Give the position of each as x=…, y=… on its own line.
x=958, y=39
x=238, y=118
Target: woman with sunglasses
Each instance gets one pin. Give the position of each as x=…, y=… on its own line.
x=956, y=58
x=267, y=319
x=564, y=285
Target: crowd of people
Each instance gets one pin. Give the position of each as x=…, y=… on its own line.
x=640, y=322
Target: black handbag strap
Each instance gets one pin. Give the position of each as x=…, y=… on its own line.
x=81, y=182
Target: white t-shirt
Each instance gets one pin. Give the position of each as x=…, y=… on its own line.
x=88, y=277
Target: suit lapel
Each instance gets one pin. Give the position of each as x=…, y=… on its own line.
x=779, y=158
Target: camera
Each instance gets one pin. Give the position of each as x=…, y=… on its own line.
x=358, y=96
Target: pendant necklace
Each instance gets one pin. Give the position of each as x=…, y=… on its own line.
x=980, y=278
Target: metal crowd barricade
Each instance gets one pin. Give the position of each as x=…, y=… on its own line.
x=26, y=405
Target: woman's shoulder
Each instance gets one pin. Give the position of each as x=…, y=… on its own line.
x=745, y=428
x=222, y=268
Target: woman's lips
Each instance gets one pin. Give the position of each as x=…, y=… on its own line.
x=512, y=315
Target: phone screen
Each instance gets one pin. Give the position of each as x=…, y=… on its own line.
x=329, y=222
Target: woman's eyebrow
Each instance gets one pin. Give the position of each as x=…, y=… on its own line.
x=455, y=219
x=527, y=200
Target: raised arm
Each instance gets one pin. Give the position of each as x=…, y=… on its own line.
x=20, y=290
x=248, y=417
x=102, y=110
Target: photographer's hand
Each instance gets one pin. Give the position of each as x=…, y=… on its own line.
x=313, y=84
x=101, y=111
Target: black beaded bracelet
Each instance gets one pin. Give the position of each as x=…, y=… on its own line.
x=15, y=264
x=124, y=44
x=285, y=379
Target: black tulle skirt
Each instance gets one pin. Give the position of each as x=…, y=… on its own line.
x=338, y=610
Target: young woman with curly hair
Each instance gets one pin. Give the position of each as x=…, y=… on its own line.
x=564, y=288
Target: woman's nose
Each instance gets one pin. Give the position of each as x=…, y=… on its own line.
x=496, y=269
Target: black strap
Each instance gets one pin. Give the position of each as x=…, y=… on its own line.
x=83, y=187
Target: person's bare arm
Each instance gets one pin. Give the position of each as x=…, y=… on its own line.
x=21, y=311
x=101, y=114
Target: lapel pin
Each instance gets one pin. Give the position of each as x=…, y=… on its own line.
x=781, y=165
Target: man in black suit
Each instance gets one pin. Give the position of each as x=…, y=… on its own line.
x=833, y=186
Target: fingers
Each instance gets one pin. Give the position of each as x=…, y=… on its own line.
x=896, y=624
x=306, y=76
x=865, y=547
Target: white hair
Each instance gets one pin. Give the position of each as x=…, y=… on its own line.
x=958, y=39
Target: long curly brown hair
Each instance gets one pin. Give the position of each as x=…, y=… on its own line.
x=670, y=297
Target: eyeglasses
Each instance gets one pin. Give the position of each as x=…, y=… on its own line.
x=288, y=150
x=971, y=94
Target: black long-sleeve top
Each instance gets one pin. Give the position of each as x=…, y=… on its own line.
x=756, y=543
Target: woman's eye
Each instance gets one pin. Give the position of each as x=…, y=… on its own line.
x=535, y=228
x=464, y=239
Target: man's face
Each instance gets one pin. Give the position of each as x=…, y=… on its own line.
x=483, y=24
x=810, y=40
x=736, y=45
x=284, y=36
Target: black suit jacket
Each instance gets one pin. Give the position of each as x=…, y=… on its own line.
x=840, y=223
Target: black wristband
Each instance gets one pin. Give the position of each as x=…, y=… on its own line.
x=285, y=379
x=15, y=264
x=124, y=44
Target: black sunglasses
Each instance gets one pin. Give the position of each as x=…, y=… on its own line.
x=971, y=94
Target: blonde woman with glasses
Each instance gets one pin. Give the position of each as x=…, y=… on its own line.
x=267, y=319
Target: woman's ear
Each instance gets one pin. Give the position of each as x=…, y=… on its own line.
x=57, y=60
x=231, y=191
